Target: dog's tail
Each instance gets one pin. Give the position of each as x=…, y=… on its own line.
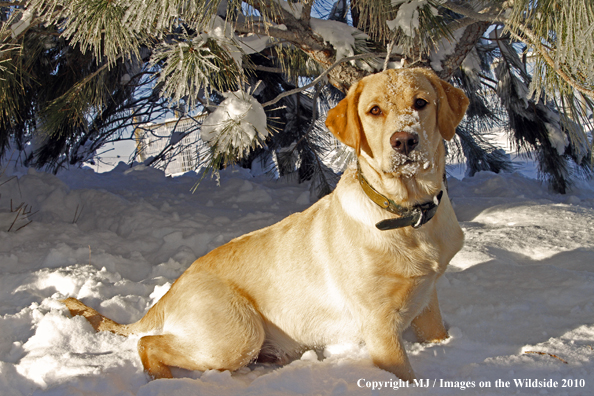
x=101, y=323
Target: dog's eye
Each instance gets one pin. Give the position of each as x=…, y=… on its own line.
x=420, y=103
x=375, y=110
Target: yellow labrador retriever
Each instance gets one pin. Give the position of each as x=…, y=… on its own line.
x=360, y=265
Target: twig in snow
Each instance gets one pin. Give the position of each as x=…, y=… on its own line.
x=77, y=214
x=23, y=210
x=23, y=226
x=549, y=354
x=20, y=211
x=3, y=183
x=13, y=222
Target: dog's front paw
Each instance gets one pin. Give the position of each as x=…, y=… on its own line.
x=430, y=334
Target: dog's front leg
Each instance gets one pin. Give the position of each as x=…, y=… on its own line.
x=428, y=326
x=384, y=343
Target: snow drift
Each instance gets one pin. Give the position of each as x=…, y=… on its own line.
x=524, y=282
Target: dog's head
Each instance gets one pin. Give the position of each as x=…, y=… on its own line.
x=396, y=120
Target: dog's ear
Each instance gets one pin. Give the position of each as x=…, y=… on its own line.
x=451, y=106
x=344, y=122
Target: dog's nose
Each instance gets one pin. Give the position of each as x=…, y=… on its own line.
x=404, y=142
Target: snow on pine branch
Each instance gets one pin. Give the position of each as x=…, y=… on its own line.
x=445, y=48
x=223, y=33
x=341, y=36
x=237, y=125
x=407, y=18
x=295, y=9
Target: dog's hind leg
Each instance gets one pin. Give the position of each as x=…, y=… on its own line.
x=157, y=352
x=220, y=329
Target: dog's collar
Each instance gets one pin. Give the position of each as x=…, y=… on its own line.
x=416, y=216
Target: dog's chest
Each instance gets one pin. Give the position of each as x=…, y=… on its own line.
x=406, y=253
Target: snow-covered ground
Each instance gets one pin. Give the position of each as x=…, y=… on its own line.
x=524, y=282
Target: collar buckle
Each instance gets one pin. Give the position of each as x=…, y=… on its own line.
x=421, y=215
x=416, y=216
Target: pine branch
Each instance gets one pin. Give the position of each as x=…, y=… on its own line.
x=322, y=76
x=299, y=37
x=269, y=69
x=488, y=15
x=273, y=11
x=536, y=43
x=306, y=13
x=461, y=23
x=531, y=39
x=91, y=76
x=388, y=54
x=467, y=43
x=314, y=115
